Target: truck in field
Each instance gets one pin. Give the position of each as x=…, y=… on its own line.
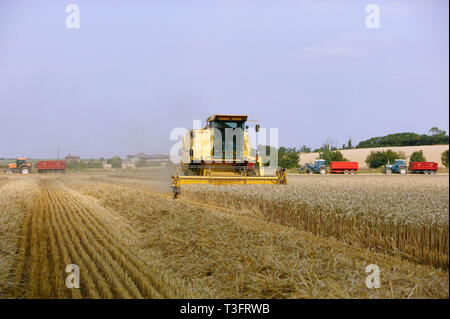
x=423, y=168
x=343, y=167
x=51, y=166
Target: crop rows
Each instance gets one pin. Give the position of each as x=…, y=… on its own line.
x=63, y=228
x=15, y=201
x=234, y=255
x=406, y=217
x=130, y=242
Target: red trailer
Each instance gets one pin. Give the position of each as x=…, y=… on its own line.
x=423, y=167
x=51, y=166
x=344, y=167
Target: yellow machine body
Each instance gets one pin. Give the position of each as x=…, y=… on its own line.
x=201, y=163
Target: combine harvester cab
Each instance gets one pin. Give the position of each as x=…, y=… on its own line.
x=211, y=156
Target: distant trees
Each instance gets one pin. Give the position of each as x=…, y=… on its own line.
x=304, y=149
x=435, y=131
x=75, y=165
x=417, y=157
x=143, y=163
x=379, y=158
x=288, y=157
x=83, y=164
x=407, y=139
x=116, y=162
x=444, y=158
x=330, y=154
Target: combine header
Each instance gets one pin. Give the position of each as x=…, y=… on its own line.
x=221, y=154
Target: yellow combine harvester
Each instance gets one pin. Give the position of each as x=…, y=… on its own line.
x=221, y=154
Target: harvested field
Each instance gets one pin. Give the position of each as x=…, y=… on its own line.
x=130, y=241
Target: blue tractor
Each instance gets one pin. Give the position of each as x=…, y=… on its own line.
x=399, y=167
x=319, y=167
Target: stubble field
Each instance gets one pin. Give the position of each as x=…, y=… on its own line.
x=312, y=238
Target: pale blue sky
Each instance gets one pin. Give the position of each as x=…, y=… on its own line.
x=136, y=69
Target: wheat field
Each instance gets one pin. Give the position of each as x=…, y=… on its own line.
x=130, y=239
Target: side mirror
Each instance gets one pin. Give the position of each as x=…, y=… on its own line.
x=257, y=127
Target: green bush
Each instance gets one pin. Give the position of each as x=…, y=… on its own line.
x=116, y=162
x=75, y=165
x=328, y=154
x=379, y=158
x=143, y=163
x=417, y=157
x=444, y=158
x=288, y=157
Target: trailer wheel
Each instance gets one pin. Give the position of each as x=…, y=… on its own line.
x=425, y=172
x=402, y=170
x=352, y=172
x=432, y=172
x=346, y=172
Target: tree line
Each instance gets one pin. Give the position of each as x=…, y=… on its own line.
x=116, y=162
x=436, y=137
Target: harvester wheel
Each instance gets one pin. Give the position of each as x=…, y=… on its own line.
x=25, y=170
